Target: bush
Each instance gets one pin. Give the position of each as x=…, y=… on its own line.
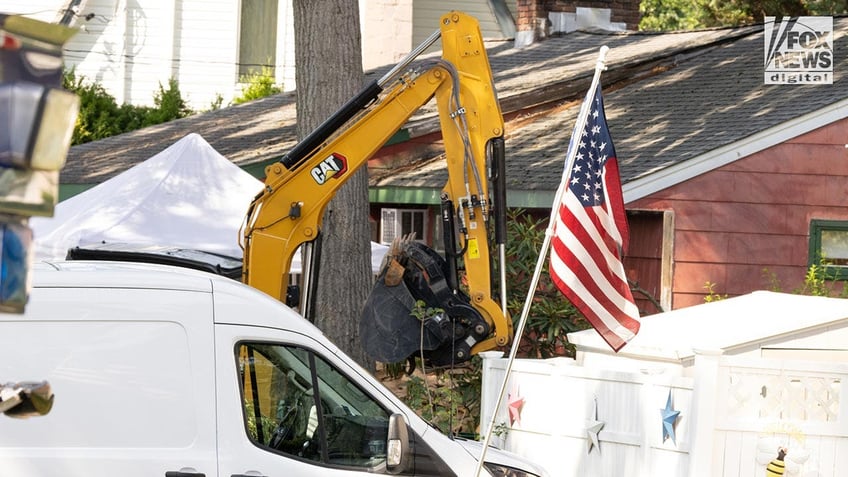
x=169, y=105
x=258, y=85
x=551, y=315
x=100, y=116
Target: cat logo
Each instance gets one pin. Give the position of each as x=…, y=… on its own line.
x=333, y=166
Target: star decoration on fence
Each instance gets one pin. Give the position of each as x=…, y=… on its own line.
x=593, y=427
x=669, y=416
x=514, y=404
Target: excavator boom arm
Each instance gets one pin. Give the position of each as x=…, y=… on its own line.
x=289, y=210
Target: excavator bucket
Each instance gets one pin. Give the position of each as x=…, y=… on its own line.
x=412, y=311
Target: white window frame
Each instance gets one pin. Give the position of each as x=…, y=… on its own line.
x=391, y=224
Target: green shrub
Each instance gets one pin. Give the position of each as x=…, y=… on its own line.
x=169, y=105
x=551, y=315
x=100, y=116
x=448, y=399
x=258, y=85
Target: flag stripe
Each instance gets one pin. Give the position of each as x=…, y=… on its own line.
x=601, y=258
x=590, y=233
x=584, y=279
x=567, y=266
x=616, y=201
x=616, y=339
x=596, y=226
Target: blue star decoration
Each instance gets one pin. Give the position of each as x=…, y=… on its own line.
x=669, y=416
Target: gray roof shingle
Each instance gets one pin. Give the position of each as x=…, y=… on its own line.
x=557, y=68
x=706, y=99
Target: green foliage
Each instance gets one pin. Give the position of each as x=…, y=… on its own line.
x=820, y=279
x=169, y=105
x=97, y=112
x=257, y=85
x=815, y=281
x=449, y=399
x=711, y=294
x=551, y=315
x=100, y=116
x=422, y=312
x=666, y=15
x=501, y=430
x=394, y=370
x=216, y=103
x=268, y=424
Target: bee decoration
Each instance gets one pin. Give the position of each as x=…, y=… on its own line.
x=776, y=467
x=787, y=463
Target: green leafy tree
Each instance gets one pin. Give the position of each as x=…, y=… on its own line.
x=666, y=15
x=448, y=399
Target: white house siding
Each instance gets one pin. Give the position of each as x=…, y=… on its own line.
x=386, y=31
x=206, y=51
x=426, y=14
x=131, y=47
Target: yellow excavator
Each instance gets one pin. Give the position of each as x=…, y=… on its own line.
x=466, y=318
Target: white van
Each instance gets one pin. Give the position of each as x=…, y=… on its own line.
x=165, y=371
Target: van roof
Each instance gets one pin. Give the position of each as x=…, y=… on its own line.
x=97, y=274
x=254, y=308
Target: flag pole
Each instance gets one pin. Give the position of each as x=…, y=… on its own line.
x=569, y=163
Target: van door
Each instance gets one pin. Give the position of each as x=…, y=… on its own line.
x=131, y=370
x=285, y=409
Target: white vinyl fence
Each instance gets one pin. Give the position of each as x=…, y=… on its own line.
x=733, y=415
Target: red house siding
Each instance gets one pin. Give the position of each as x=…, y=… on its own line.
x=643, y=260
x=744, y=224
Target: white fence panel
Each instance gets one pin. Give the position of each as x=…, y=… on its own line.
x=553, y=402
x=746, y=408
x=763, y=404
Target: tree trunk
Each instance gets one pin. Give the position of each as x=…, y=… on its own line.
x=328, y=55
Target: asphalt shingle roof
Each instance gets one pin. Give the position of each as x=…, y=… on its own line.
x=706, y=99
x=557, y=68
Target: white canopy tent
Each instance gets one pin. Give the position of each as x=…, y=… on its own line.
x=187, y=196
x=378, y=251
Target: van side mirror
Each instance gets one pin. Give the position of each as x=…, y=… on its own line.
x=397, y=445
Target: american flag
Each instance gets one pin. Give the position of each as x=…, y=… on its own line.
x=590, y=233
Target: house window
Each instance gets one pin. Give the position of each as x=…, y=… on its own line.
x=400, y=222
x=829, y=244
x=258, y=37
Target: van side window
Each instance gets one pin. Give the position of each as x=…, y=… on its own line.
x=298, y=404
